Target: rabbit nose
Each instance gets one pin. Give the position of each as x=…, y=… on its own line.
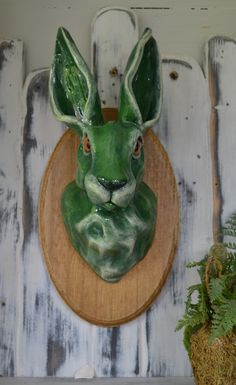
x=112, y=185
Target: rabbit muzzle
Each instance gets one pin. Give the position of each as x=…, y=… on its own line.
x=101, y=191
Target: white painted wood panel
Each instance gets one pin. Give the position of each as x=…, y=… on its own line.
x=11, y=78
x=221, y=62
x=40, y=134
x=53, y=340
x=184, y=131
x=39, y=334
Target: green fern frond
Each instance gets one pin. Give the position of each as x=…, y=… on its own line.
x=231, y=245
x=217, y=287
x=224, y=319
x=230, y=232
x=216, y=332
x=231, y=222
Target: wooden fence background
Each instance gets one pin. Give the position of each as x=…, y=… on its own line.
x=39, y=334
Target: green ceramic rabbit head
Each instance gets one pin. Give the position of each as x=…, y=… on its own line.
x=109, y=213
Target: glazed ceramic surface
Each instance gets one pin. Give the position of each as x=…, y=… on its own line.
x=109, y=212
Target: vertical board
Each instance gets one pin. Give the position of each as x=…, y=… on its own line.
x=221, y=64
x=53, y=340
x=111, y=47
x=11, y=78
x=114, y=34
x=184, y=131
x=40, y=134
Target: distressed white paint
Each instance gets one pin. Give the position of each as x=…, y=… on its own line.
x=114, y=33
x=11, y=77
x=39, y=141
x=53, y=340
x=221, y=61
x=184, y=131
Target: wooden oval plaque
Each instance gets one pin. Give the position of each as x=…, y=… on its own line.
x=99, y=302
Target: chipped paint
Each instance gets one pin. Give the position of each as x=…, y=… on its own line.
x=10, y=160
x=56, y=355
x=221, y=58
x=5, y=46
x=188, y=96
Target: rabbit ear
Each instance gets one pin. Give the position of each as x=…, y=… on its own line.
x=141, y=89
x=73, y=92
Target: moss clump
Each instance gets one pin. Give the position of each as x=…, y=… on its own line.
x=215, y=363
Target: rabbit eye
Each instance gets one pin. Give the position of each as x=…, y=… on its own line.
x=138, y=147
x=86, y=144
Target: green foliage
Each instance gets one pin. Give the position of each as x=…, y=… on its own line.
x=216, y=293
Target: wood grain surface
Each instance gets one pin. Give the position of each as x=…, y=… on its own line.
x=87, y=294
x=37, y=312
x=184, y=131
x=220, y=70
x=11, y=78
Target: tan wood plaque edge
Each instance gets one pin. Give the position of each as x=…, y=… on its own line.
x=99, y=302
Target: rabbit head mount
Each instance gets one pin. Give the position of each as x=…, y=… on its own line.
x=108, y=211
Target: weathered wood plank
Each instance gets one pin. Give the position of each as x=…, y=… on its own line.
x=184, y=131
x=96, y=381
x=114, y=33
x=53, y=340
x=40, y=134
x=11, y=78
x=220, y=68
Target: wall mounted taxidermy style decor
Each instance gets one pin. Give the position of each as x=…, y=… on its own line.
x=108, y=211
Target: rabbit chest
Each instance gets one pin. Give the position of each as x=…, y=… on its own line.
x=110, y=239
